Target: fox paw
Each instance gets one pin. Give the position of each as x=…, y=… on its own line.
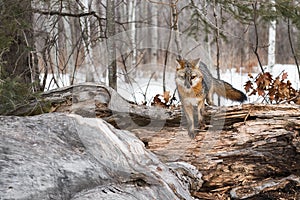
x=202, y=126
x=192, y=133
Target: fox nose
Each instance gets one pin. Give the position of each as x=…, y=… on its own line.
x=187, y=83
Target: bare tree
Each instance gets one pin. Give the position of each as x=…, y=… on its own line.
x=217, y=40
x=255, y=48
x=131, y=19
x=174, y=33
x=111, y=31
x=272, y=40
x=292, y=48
x=17, y=50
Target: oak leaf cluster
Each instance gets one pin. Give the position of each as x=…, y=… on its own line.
x=273, y=90
x=164, y=100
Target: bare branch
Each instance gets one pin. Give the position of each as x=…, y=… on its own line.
x=256, y=35
x=66, y=14
x=292, y=47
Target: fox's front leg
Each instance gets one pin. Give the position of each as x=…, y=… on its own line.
x=189, y=114
x=200, y=110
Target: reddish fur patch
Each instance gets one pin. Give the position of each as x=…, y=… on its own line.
x=197, y=89
x=181, y=63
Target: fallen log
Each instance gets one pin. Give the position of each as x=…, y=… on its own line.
x=255, y=153
x=247, y=151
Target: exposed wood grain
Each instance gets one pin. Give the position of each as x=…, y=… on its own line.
x=240, y=158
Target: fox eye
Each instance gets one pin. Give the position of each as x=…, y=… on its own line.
x=193, y=76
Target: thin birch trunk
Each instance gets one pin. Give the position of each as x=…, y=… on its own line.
x=272, y=41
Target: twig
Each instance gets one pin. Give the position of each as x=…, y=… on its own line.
x=288, y=100
x=173, y=97
x=254, y=6
x=145, y=93
x=292, y=48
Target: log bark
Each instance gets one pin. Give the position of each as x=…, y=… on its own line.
x=249, y=151
x=253, y=153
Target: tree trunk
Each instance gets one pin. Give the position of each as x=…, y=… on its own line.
x=272, y=41
x=111, y=46
x=17, y=41
x=153, y=13
x=132, y=30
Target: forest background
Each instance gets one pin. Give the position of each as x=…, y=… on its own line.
x=132, y=45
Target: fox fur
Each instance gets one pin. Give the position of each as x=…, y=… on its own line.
x=196, y=84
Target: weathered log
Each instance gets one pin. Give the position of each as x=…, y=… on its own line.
x=256, y=153
x=58, y=156
x=247, y=151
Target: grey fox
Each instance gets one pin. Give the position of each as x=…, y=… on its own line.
x=196, y=84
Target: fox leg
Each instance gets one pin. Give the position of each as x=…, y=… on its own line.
x=189, y=114
x=209, y=97
x=200, y=110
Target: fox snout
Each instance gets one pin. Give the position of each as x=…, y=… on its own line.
x=188, y=82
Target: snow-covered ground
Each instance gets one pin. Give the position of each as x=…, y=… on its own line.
x=236, y=79
x=144, y=88
x=61, y=81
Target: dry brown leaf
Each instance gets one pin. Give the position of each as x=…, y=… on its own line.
x=248, y=86
x=284, y=76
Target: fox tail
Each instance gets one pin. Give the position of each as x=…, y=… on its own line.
x=226, y=90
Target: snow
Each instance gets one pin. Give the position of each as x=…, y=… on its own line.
x=292, y=73
x=136, y=91
x=61, y=80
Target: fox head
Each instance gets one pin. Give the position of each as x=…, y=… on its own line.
x=188, y=73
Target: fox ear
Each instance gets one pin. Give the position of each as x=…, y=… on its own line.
x=180, y=64
x=195, y=62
